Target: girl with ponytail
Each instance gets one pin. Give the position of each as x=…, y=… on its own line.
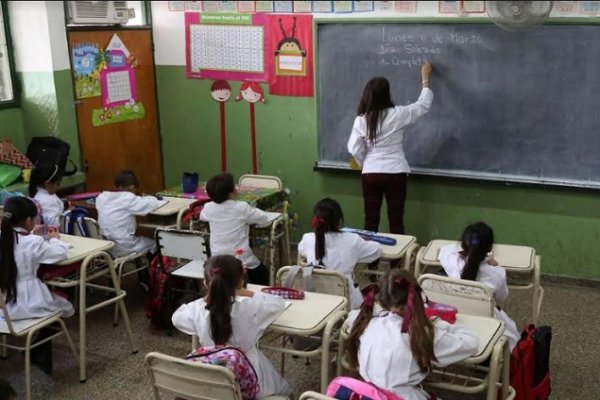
x=473, y=260
x=339, y=251
x=43, y=184
x=235, y=316
x=395, y=348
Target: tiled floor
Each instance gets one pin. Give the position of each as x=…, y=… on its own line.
x=114, y=373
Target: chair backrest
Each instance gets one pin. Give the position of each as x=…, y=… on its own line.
x=314, y=396
x=324, y=281
x=262, y=181
x=190, y=380
x=469, y=297
x=179, y=243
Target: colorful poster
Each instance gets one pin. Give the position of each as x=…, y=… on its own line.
x=449, y=7
x=362, y=6
x=291, y=57
x=118, y=114
x=590, y=8
x=87, y=62
x=246, y=6
x=384, y=6
x=193, y=5
x=302, y=6
x=322, y=6
x=473, y=6
x=263, y=6
x=283, y=6
x=408, y=7
x=176, y=5
x=342, y=6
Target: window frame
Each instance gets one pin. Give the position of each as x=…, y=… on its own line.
x=15, y=101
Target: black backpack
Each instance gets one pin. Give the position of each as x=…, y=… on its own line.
x=50, y=150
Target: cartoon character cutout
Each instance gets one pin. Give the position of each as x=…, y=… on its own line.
x=251, y=92
x=220, y=91
x=290, y=59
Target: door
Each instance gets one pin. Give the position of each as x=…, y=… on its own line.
x=124, y=143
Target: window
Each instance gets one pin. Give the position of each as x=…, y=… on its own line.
x=7, y=69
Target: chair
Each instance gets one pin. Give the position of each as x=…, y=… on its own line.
x=469, y=297
x=263, y=181
x=192, y=380
x=27, y=328
x=314, y=396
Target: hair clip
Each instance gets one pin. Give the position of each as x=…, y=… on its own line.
x=317, y=221
x=217, y=271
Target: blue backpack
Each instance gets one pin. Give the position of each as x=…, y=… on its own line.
x=76, y=217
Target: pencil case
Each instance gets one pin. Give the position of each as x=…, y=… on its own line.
x=443, y=311
x=372, y=236
x=284, y=292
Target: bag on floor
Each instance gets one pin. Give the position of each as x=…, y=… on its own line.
x=159, y=301
x=346, y=388
x=529, y=364
x=233, y=359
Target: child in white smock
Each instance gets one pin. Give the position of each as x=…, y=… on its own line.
x=43, y=184
x=232, y=315
x=336, y=250
x=473, y=261
x=395, y=348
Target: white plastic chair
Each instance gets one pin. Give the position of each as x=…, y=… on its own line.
x=314, y=396
x=469, y=297
x=192, y=380
x=263, y=181
x=27, y=328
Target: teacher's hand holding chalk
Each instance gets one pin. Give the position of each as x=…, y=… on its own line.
x=425, y=73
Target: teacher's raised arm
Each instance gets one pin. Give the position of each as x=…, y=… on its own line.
x=376, y=143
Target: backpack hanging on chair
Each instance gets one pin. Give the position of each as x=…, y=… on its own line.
x=529, y=364
x=76, y=218
x=346, y=388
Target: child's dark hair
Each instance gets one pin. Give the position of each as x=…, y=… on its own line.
x=375, y=100
x=220, y=186
x=476, y=242
x=126, y=178
x=7, y=392
x=327, y=217
x=398, y=290
x=16, y=211
x=223, y=275
x=43, y=174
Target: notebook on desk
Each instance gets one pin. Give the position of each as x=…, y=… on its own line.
x=161, y=203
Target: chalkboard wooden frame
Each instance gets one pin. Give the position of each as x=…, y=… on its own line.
x=324, y=165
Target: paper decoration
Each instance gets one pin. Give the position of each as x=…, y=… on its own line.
x=86, y=68
x=303, y=6
x=362, y=6
x=176, y=5
x=290, y=59
x=590, y=8
x=211, y=6
x=384, y=6
x=292, y=56
x=449, y=7
x=283, y=6
x=473, y=6
x=565, y=7
x=342, y=6
x=229, y=6
x=322, y=6
x=221, y=91
x=252, y=92
x=193, y=5
x=246, y=6
x=118, y=114
x=263, y=6
x=117, y=44
x=408, y=7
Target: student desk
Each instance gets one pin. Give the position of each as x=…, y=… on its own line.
x=169, y=215
x=519, y=261
x=309, y=317
x=95, y=263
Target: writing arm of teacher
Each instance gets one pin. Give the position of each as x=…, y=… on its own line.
x=412, y=112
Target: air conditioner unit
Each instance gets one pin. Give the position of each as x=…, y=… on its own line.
x=98, y=12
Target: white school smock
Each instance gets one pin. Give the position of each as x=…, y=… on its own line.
x=51, y=205
x=250, y=316
x=386, y=360
x=229, y=224
x=343, y=250
x=493, y=277
x=386, y=154
x=116, y=217
x=34, y=299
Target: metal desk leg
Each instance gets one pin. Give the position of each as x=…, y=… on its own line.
x=538, y=292
x=494, y=372
x=121, y=303
x=326, y=342
x=505, y=370
x=420, y=255
x=408, y=256
x=82, y=318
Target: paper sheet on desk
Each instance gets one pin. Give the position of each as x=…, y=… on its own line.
x=161, y=203
x=272, y=217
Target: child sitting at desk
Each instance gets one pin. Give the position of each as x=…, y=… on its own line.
x=335, y=250
x=229, y=222
x=395, y=349
x=21, y=254
x=232, y=315
x=43, y=185
x=473, y=261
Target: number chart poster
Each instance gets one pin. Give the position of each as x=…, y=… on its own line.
x=226, y=46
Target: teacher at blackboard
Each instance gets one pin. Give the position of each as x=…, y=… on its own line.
x=376, y=143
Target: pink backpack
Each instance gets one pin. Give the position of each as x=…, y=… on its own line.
x=234, y=359
x=346, y=388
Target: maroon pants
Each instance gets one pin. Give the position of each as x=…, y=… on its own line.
x=374, y=187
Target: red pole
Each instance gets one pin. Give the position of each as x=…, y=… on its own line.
x=223, y=139
x=253, y=139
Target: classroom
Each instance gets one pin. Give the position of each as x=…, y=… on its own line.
x=181, y=91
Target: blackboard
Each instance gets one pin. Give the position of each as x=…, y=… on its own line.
x=508, y=106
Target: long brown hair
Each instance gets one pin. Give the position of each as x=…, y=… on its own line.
x=398, y=290
x=375, y=100
x=223, y=275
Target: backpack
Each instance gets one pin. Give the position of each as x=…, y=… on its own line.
x=529, y=364
x=75, y=217
x=51, y=150
x=346, y=388
x=233, y=359
x=159, y=300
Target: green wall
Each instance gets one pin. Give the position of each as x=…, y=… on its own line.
x=11, y=125
x=562, y=224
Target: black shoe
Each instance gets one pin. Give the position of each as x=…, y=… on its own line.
x=41, y=356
